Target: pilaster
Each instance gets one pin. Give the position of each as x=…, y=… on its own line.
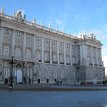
x=24, y=46
x=50, y=51
x=101, y=57
x=86, y=54
x=64, y=54
x=34, y=48
x=92, y=55
x=58, y=51
x=96, y=56
x=70, y=54
x=13, y=44
x=1, y=41
x=81, y=55
x=42, y=50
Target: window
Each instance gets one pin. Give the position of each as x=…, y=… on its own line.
x=6, y=31
x=67, y=59
x=73, y=60
x=38, y=56
x=61, y=58
x=6, y=72
x=54, y=57
x=29, y=40
x=6, y=51
x=89, y=59
x=18, y=34
x=46, y=58
x=18, y=52
x=29, y=53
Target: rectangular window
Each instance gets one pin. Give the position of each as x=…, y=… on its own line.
x=6, y=51
x=46, y=56
x=29, y=52
x=6, y=30
x=18, y=34
x=18, y=52
x=73, y=60
x=6, y=72
x=38, y=55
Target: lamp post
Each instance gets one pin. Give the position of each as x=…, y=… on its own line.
x=77, y=66
x=11, y=72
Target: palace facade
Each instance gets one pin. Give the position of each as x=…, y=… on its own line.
x=31, y=53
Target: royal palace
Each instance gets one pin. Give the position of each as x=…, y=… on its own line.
x=31, y=53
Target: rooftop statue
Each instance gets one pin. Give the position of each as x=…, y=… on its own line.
x=20, y=16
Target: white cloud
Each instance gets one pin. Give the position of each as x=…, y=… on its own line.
x=58, y=21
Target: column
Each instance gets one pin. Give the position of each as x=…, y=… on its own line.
x=96, y=56
x=71, y=54
x=24, y=72
x=42, y=49
x=1, y=41
x=86, y=54
x=64, y=53
x=92, y=55
x=50, y=52
x=101, y=63
x=13, y=44
x=24, y=46
x=81, y=55
x=34, y=48
x=58, y=51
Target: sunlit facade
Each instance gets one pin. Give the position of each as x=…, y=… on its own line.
x=44, y=55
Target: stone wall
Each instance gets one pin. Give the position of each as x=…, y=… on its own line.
x=54, y=72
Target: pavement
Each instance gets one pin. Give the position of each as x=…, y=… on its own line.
x=53, y=87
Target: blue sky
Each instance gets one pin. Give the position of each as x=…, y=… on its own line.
x=72, y=16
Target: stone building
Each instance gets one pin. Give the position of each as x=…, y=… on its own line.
x=31, y=53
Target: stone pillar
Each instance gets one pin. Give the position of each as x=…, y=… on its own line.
x=24, y=46
x=58, y=51
x=14, y=74
x=34, y=48
x=33, y=70
x=24, y=73
x=50, y=52
x=96, y=56
x=13, y=44
x=1, y=41
x=86, y=55
x=71, y=54
x=81, y=55
x=101, y=63
x=42, y=50
x=64, y=53
x=92, y=55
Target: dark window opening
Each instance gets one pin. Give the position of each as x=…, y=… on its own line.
x=38, y=80
x=47, y=80
x=6, y=81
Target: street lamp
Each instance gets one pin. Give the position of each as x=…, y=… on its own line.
x=77, y=66
x=11, y=72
